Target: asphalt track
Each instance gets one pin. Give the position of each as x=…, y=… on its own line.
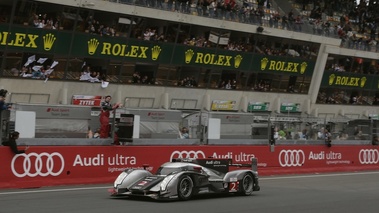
x=343, y=192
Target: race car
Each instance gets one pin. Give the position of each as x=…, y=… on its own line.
x=182, y=179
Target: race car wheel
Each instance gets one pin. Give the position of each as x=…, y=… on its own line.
x=247, y=184
x=185, y=187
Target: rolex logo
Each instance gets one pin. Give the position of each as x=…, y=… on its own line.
x=264, y=63
x=363, y=81
x=92, y=46
x=237, y=61
x=331, y=79
x=189, y=54
x=303, y=67
x=155, y=51
x=48, y=41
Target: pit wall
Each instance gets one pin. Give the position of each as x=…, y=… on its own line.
x=68, y=165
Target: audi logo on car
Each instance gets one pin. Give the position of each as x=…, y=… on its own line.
x=187, y=154
x=34, y=164
x=369, y=156
x=291, y=158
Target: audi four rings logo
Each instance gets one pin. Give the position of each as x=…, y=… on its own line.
x=187, y=154
x=369, y=156
x=288, y=158
x=43, y=164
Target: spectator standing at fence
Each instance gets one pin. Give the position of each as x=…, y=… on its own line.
x=291, y=19
x=13, y=136
x=106, y=107
x=3, y=96
x=299, y=23
x=183, y=133
x=328, y=138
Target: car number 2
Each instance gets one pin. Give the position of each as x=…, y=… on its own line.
x=233, y=186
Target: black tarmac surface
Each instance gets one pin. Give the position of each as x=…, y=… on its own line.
x=342, y=192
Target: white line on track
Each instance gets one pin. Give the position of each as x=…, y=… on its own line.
x=317, y=175
x=55, y=190
x=262, y=178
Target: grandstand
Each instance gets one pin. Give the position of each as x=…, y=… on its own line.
x=243, y=57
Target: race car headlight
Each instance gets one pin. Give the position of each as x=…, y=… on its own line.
x=121, y=178
x=165, y=182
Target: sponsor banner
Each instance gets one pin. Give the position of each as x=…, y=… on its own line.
x=258, y=106
x=157, y=115
x=57, y=165
x=345, y=80
x=56, y=111
x=235, y=118
x=217, y=58
x=218, y=105
x=290, y=107
x=33, y=40
x=285, y=66
x=87, y=100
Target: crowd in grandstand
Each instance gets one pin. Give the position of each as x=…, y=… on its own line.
x=357, y=25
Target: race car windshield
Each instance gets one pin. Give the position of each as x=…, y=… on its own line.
x=167, y=170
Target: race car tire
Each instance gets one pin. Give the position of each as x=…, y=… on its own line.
x=185, y=187
x=247, y=184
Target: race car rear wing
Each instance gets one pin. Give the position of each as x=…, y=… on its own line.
x=221, y=165
x=253, y=165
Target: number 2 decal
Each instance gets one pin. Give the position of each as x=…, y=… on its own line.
x=233, y=186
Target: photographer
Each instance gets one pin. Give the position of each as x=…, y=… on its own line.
x=13, y=136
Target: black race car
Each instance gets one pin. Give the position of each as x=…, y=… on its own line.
x=184, y=178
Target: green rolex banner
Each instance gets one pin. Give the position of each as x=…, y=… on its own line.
x=290, y=107
x=258, y=106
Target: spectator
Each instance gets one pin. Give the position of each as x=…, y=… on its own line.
x=3, y=95
x=149, y=33
x=291, y=19
x=285, y=25
x=136, y=78
x=85, y=74
x=328, y=138
x=299, y=23
x=26, y=72
x=96, y=134
x=183, y=133
x=376, y=101
x=228, y=85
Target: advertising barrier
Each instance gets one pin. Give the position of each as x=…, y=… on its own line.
x=65, y=165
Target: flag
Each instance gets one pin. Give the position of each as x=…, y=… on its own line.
x=36, y=68
x=49, y=71
x=41, y=60
x=54, y=64
x=104, y=84
x=30, y=60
